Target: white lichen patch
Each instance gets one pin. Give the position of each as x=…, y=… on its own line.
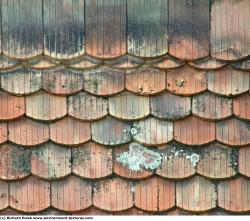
x=139, y=157
x=194, y=159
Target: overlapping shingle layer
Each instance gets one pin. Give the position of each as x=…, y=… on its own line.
x=125, y=107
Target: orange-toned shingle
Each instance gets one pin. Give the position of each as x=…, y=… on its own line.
x=42, y=63
x=113, y=195
x=145, y=81
x=87, y=107
x=230, y=36
x=123, y=170
x=186, y=81
x=91, y=211
x=110, y=131
x=154, y=194
x=217, y=161
x=228, y=81
x=196, y=194
x=167, y=62
x=131, y=212
x=63, y=28
x=71, y=194
x=3, y=132
x=194, y=131
x=128, y=106
x=104, y=81
x=51, y=161
x=83, y=62
x=30, y=194
x=17, y=21
x=175, y=163
x=189, y=29
x=105, y=30
x=43, y=106
x=62, y=81
x=92, y=160
x=28, y=132
x=14, y=162
x=4, y=193
x=11, y=107
x=125, y=62
x=152, y=131
x=244, y=163
x=234, y=195
x=207, y=63
x=211, y=106
x=147, y=27
x=170, y=106
x=69, y=131
x=21, y=81
x=233, y=132
x=241, y=106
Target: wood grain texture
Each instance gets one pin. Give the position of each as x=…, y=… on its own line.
x=21, y=81
x=233, y=132
x=92, y=161
x=192, y=194
x=128, y=106
x=43, y=106
x=3, y=132
x=11, y=107
x=243, y=161
x=147, y=27
x=4, y=192
x=189, y=28
x=105, y=28
x=104, y=81
x=113, y=195
x=50, y=161
x=228, y=81
x=186, y=81
x=170, y=106
x=145, y=81
x=71, y=194
x=30, y=194
x=155, y=194
x=28, y=132
x=61, y=81
x=63, y=22
x=212, y=107
x=69, y=131
x=194, y=131
x=233, y=195
x=241, y=106
x=18, y=21
x=152, y=131
x=87, y=107
x=110, y=131
x=230, y=29
x=14, y=162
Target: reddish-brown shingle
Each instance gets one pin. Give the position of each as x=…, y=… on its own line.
x=14, y=162
x=113, y=195
x=241, y=106
x=84, y=106
x=193, y=194
x=11, y=107
x=29, y=195
x=71, y=194
x=43, y=106
x=244, y=163
x=194, y=131
x=4, y=193
x=186, y=81
x=69, y=131
x=145, y=81
x=129, y=106
x=51, y=161
x=154, y=194
x=92, y=160
x=233, y=132
x=28, y=132
x=233, y=195
x=3, y=132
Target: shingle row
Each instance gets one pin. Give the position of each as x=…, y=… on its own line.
x=67, y=29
